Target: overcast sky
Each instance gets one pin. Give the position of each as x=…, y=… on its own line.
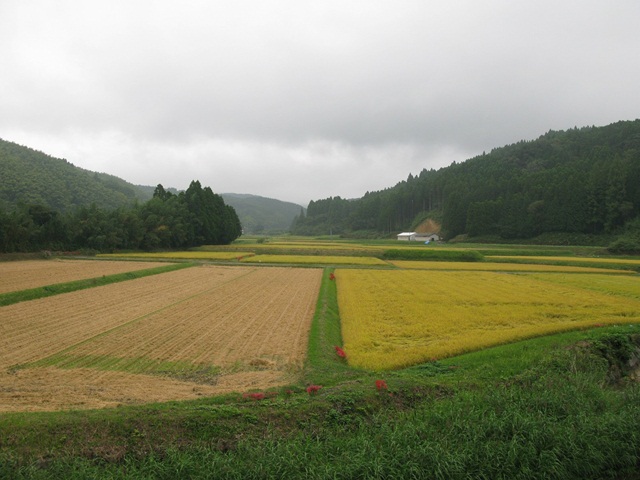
x=300, y=100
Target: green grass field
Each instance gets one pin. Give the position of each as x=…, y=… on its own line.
x=558, y=406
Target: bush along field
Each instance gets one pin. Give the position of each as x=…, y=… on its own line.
x=556, y=406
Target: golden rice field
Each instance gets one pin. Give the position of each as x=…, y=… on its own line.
x=190, y=255
x=396, y=318
x=628, y=286
x=618, y=261
x=502, y=267
x=314, y=246
x=316, y=260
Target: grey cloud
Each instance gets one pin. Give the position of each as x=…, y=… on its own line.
x=290, y=87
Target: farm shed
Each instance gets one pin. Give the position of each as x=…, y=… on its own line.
x=427, y=237
x=407, y=236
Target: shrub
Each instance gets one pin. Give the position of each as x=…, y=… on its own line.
x=625, y=244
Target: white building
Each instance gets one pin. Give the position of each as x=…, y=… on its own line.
x=407, y=236
x=418, y=237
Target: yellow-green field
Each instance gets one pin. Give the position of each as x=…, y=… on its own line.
x=190, y=255
x=316, y=260
x=621, y=261
x=628, y=286
x=502, y=267
x=395, y=318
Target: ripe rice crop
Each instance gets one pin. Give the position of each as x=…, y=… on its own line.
x=315, y=260
x=195, y=255
x=396, y=318
x=627, y=285
x=312, y=246
x=501, y=267
x=627, y=261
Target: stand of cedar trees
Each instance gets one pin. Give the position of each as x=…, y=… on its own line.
x=194, y=217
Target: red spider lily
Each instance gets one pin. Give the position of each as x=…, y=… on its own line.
x=381, y=385
x=332, y=276
x=599, y=325
x=340, y=352
x=313, y=389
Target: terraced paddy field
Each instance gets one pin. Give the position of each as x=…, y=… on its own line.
x=22, y=275
x=177, y=335
x=502, y=267
x=397, y=318
x=187, y=255
x=315, y=260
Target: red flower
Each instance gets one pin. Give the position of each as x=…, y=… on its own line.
x=381, y=385
x=313, y=389
x=332, y=276
x=340, y=352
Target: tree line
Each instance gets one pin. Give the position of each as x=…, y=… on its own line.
x=194, y=217
x=584, y=181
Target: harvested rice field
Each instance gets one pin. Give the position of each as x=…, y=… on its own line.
x=22, y=275
x=198, y=331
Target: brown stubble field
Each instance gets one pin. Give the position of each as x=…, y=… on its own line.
x=250, y=324
x=22, y=275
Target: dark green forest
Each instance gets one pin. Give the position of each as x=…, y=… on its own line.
x=167, y=221
x=580, y=181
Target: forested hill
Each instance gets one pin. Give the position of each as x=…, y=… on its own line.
x=260, y=215
x=28, y=176
x=583, y=180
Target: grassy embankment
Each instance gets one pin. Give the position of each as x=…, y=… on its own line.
x=552, y=407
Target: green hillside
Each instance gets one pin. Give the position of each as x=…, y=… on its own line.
x=262, y=215
x=579, y=182
x=32, y=177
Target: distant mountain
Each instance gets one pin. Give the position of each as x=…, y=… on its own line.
x=29, y=176
x=262, y=215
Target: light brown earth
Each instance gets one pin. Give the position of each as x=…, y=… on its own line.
x=22, y=275
x=252, y=323
x=429, y=226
